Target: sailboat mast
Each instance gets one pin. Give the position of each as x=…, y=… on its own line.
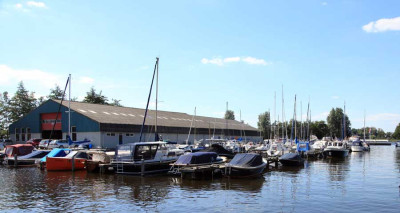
x=295, y=119
x=69, y=107
x=190, y=129
x=301, y=120
x=364, y=125
x=283, y=125
x=155, y=128
x=275, y=115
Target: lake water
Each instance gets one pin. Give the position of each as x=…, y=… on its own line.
x=363, y=182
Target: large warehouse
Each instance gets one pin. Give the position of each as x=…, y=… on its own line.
x=107, y=126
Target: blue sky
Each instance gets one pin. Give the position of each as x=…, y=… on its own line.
x=212, y=52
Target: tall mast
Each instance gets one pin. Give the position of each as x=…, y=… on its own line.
x=155, y=128
x=275, y=115
x=364, y=125
x=190, y=129
x=283, y=126
x=307, y=121
x=301, y=120
x=295, y=119
x=344, y=121
x=69, y=107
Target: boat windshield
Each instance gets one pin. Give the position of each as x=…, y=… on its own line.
x=124, y=152
x=146, y=152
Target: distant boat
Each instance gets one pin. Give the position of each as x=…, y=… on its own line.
x=397, y=144
x=245, y=165
x=291, y=159
x=65, y=163
x=276, y=149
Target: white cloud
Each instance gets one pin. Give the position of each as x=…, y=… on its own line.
x=86, y=80
x=320, y=117
x=335, y=97
x=221, y=61
x=11, y=76
x=36, y=4
x=251, y=60
x=384, y=117
x=383, y=25
x=18, y=6
x=232, y=59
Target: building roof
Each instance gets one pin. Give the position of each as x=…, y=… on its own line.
x=108, y=114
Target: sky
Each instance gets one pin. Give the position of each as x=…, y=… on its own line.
x=212, y=52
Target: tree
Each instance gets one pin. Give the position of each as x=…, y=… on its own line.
x=21, y=103
x=56, y=93
x=335, y=123
x=319, y=129
x=230, y=115
x=95, y=98
x=264, y=124
x=115, y=102
x=396, y=133
x=4, y=114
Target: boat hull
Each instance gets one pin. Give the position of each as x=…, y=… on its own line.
x=357, y=148
x=24, y=162
x=135, y=168
x=336, y=153
x=63, y=164
x=292, y=162
x=243, y=172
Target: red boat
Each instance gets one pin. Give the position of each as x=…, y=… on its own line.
x=18, y=149
x=65, y=163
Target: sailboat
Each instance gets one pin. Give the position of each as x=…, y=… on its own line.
x=142, y=158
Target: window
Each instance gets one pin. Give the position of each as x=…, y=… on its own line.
x=28, y=130
x=129, y=134
x=16, y=134
x=110, y=134
x=23, y=134
x=73, y=133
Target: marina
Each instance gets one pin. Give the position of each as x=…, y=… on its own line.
x=366, y=177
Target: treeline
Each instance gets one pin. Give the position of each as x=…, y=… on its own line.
x=24, y=101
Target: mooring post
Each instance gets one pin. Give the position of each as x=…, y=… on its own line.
x=142, y=167
x=73, y=163
x=15, y=160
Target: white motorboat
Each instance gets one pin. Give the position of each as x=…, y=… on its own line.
x=336, y=149
x=277, y=149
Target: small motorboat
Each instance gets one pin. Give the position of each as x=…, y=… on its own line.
x=194, y=160
x=245, y=165
x=26, y=160
x=397, y=144
x=291, y=159
x=74, y=158
x=336, y=149
x=357, y=146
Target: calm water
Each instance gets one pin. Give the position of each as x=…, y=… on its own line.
x=362, y=182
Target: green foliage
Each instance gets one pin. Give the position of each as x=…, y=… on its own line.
x=115, y=102
x=230, y=115
x=396, y=133
x=319, y=129
x=264, y=124
x=335, y=123
x=21, y=103
x=4, y=114
x=95, y=98
x=56, y=93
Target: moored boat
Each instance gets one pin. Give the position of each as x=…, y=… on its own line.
x=291, y=159
x=74, y=159
x=194, y=160
x=27, y=160
x=357, y=146
x=336, y=149
x=245, y=165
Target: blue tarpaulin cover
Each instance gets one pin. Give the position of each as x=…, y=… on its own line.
x=56, y=153
x=197, y=158
x=246, y=160
x=303, y=146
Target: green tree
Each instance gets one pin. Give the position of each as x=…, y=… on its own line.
x=264, y=124
x=21, y=103
x=56, y=93
x=4, y=114
x=115, y=102
x=95, y=98
x=335, y=123
x=230, y=115
x=396, y=133
x=319, y=129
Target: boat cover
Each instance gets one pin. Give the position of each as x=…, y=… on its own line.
x=219, y=150
x=291, y=156
x=56, y=153
x=35, y=154
x=18, y=149
x=246, y=160
x=356, y=143
x=197, y=158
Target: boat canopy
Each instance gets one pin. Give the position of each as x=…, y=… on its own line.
x=291, y=156
x=197, y=158
x=18, y=149
x=56, y=153
x=356, y=143
x=35, y=154
x=246, y=160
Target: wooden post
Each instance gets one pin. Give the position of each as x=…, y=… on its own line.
x=142, y=167
x=73, y=163
x=15, y=161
